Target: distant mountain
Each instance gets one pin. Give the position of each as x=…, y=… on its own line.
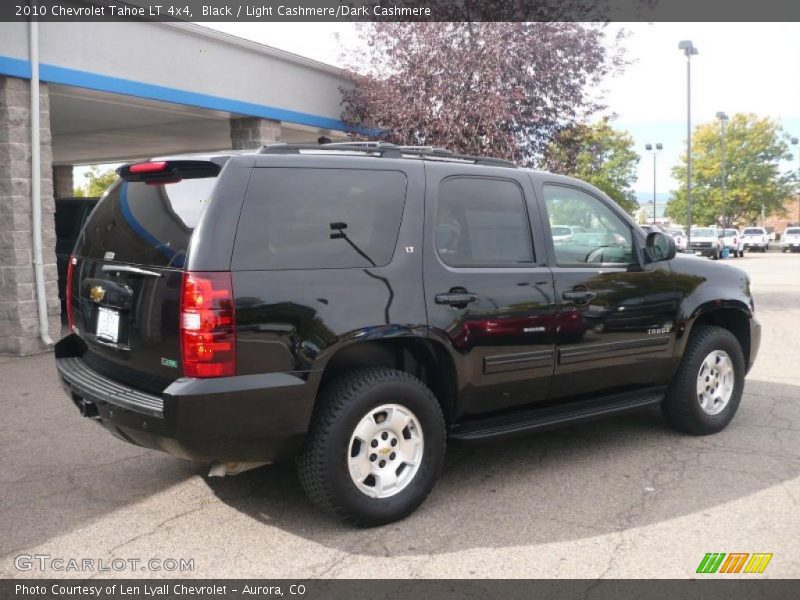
x=647, y=197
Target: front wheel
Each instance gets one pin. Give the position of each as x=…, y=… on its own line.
x=375, y=447
x=707, y=388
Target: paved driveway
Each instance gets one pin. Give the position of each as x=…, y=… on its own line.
x=625, y=497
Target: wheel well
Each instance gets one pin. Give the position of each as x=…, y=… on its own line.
x=735, y=321
x=426, y=360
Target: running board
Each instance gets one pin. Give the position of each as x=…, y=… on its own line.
x=536, y=419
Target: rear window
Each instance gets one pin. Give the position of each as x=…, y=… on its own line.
x=753, y=231
x=146, y=224
x=704, y=232
x=319, y=219
x=560, y=230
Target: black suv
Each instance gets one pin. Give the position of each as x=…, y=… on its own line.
x=356, y=306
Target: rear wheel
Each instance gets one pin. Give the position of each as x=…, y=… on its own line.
x=707, y=388
x=375, y=448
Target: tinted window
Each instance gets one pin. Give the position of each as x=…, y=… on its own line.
x=319, y=219
x=146, y=224
x=68, y=217
x=603, y=238
x=481, y=222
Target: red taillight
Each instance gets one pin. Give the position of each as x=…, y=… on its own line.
x=148, y=167
x=70, y=270
x=208, y=325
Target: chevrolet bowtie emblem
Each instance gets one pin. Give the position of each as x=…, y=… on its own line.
x=97, y=293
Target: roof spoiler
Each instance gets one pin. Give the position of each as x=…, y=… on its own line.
x=159, y=172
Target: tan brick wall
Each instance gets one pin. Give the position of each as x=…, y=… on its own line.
x=19, y=325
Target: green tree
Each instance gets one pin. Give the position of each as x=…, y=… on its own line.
x=97, y=181
x=598, y=154
x=754, y=148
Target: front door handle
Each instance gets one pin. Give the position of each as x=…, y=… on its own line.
x=456, y=299
x=579, y=296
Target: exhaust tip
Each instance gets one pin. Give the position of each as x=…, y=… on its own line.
x=88, y=409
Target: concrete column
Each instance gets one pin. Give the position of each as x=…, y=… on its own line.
x=19, y=325
x=250, y=133
x=63, y=182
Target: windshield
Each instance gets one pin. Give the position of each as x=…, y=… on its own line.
x=792, y=231
x=753, y=231
x=703, y=232
x=677, y=232
x=730, y=232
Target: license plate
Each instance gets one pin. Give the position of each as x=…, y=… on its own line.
x=107, y=324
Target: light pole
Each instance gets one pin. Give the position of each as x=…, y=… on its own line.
x=688, y=50
x=794, y=143
x=654, y=151
x=723, y=120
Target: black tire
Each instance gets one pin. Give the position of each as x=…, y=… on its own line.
x=716, y=255
x=681, y=407
x=323, y=465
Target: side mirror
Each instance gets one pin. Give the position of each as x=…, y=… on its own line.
x=660, y=246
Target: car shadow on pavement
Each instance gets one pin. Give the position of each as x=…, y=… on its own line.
x=576, y=482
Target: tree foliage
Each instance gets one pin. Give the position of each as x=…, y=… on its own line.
x=499, y=89
x=97, y=182
x=597, y=154
x=754, y=148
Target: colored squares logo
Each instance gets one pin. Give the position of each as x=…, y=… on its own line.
x=735, y=562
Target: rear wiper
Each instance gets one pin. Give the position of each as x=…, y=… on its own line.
x=129, y=269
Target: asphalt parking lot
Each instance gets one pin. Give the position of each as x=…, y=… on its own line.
x=625, y=497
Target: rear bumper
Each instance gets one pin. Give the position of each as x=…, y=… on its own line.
x=704, y=251
x=254, y=418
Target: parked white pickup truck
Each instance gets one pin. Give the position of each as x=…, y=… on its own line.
x=756, y=238
x=790, y=240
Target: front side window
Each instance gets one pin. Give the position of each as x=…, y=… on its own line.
x=319, y=219
x=600, y=235
x=482, y=222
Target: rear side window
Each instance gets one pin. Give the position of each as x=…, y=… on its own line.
x=68, y=219
x=146, y=224
x=482, y=222
x=319, y=219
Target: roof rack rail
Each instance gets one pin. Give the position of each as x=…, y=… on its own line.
x=380, y=148
x=388, y=150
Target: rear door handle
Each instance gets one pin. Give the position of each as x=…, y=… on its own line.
x=456, y=298
x=580, y=296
